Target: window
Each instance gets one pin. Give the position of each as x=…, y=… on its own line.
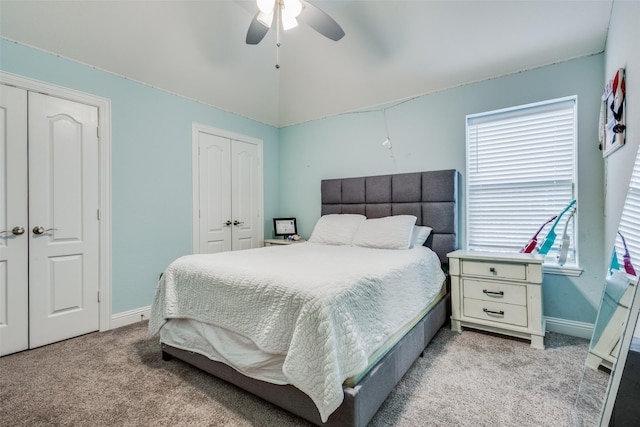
x=521, y=170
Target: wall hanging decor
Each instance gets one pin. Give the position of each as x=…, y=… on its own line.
x=612, y=124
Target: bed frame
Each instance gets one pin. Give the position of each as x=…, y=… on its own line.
x=433, y=198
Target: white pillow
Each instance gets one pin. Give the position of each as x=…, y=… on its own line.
x=420, y=235
x=391, y=232
x=336, y=229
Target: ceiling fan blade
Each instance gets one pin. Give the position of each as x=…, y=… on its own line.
x=257, y=31
x=321, y=22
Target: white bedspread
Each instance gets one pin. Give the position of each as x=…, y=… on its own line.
x=327, y=308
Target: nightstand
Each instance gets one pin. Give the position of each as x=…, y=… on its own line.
x=498, y=292
x=276, y=242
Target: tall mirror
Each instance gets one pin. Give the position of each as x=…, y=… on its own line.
x=610, y=386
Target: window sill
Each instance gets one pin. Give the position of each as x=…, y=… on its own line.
x=574, y=271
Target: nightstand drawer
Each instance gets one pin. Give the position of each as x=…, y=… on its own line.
x=495, y=312
x=495, y=291
x=494, y=270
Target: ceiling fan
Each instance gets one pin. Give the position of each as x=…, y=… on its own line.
x=288, y=12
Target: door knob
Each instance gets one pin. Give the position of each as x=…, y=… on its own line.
x=228, y=223
x=236, y=222
x=16, y=231
x=40, y=230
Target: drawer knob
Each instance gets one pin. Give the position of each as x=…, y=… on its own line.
x=492, y=270
x=496, y=313
x=493, y=293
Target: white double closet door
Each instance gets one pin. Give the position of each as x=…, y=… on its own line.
x=228, y=192
x=49, y=219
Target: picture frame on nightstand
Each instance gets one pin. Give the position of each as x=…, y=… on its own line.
x=284, y=227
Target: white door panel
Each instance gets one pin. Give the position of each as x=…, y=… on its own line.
x=245, y=160
x=14, y=282
x=63, y=201
x=214, y=187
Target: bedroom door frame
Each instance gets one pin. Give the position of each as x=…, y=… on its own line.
x=104, y=153
x=196, y=129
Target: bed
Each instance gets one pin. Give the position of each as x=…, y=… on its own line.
x=310, y=347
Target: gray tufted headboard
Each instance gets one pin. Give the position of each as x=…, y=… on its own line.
x=431, y=196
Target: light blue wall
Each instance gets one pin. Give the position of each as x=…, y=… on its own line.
x=622, y=52
x=151, y=166
x=428, y=133
x=151, y=161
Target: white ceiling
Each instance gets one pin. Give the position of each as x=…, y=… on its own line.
x=392, y=49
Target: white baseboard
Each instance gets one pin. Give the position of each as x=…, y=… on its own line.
x=569, y=327
x=128, y=317
x=553, y=324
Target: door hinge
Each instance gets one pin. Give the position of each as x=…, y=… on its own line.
x=98, y=296
x=98, y=214
x=98, y=132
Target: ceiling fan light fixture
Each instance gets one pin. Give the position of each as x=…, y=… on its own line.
x=288, y=21
x=292, y=8
x=266, y=6
x=265, y=18
x=286, y=12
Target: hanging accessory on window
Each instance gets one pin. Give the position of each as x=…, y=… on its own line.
x=533, y=242
x=551, y=236
x=566, y=240
x=614, y=265
x=626, y=258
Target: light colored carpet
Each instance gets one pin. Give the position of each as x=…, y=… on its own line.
x=117, y=378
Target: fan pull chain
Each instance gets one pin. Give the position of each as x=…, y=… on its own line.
x=278, y=36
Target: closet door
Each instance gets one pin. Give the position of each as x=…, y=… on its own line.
x=14, y=238
x=63, y=219
x=227, y=192
x=246, y=200
x=214, y=193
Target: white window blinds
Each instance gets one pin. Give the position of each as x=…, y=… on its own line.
x=520, y=172
x=629, y=222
